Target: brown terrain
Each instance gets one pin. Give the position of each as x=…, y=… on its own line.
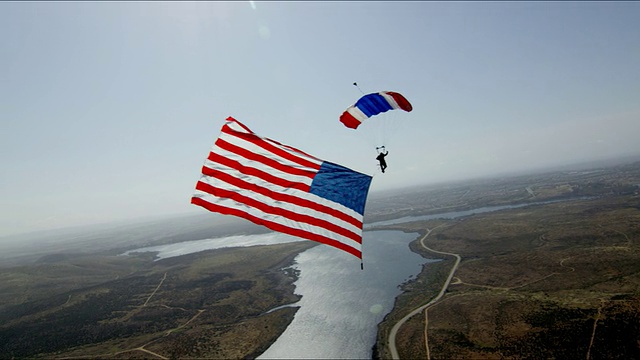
x=559, y=278
x=553, y=280
x=210, y=304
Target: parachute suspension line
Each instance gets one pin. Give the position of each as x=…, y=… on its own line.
x=390, y=124
x=356, y=85
x=384, y=128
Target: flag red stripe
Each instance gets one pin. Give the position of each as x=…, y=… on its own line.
x=282, y=197
x=288, y=214
x=258, y=141
x=253, y=172
x=273, y=141
x=275, y=226
x=264, y=160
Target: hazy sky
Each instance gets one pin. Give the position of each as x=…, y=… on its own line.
x=109, y=108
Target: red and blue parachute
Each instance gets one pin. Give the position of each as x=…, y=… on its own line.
x=373, y=104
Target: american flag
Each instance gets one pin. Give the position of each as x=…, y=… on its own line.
x=283, y=188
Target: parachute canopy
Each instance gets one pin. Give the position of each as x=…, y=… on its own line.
x=373, y=104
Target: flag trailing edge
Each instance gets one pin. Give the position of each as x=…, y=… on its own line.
x=283, y=189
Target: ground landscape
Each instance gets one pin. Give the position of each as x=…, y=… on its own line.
x=203, y=305
x=557, y=279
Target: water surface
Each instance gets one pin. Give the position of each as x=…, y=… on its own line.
x=342, y=305
x=188, y=247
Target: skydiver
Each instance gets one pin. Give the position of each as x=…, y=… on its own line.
x=380, y=158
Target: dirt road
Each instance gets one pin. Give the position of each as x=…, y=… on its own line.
x=394, y=330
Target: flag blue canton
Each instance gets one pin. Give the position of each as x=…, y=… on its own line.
x=342, y=185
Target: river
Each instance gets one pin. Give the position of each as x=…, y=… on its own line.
x=457, y=214
x=341, y=305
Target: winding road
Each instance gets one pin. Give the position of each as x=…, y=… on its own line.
x=394, y=330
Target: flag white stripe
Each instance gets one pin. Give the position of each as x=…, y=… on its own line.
x=286, y=205
x=251, y=147
x=276, y=188
x=234, y=126
x=256, y=165
x=277, y=219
